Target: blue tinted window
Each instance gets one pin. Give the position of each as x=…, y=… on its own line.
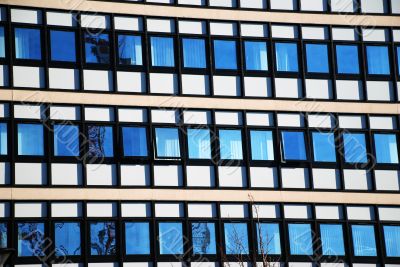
x=332, y=239
x=170, y=238
x=135, y=141
x=31, y=239
x=363, y=240
x=317, y=58
x=262, y=145
x=30, y=140
x=3, y=139
x=27, y=44
x=354, y=148
x=398, y=59
x=137, y=238
x=67, y=238
x=130, y=50
x=300, y=239
x=3, y=235
x=162, y=52
x=256, y=55
x=66, y=140
x=102, y=239
x=100, y=140
x=203, y=237
x=199, y=143
x=294, y=147
x=347, y=59
x=225, y=55
x=236, y=238
x=392, y=240
x=97, y=48
x=230, y=144
x=167, y=142
x=378, y=60
x=62, y=46
x=268, y=239
x=386, y=148
x=324, y=147
x=286, y=57
x=2, y=43
x=194, y=53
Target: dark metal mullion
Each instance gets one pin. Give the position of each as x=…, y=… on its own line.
x=272, y=61
x=332, y=60
x=10, y=47
x=362, y=59
x=395, y=67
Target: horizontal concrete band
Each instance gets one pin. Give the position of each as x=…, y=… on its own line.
x=196, y=102
x=213, y=14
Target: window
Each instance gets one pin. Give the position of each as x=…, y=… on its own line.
x=31, y=239
x=236, y=238
x=286, y=57
x=27, y=44
x=398, y=59
x=378, y=60
x=134, y=141
x=62, y=46
x=167, y=143
x=332, y=239
x=170, y=237
x=256, y=55
x=2, y=43
x=100, y=139
x=324, y=147
x=194, y=53
x=262, y=145
x=102, y=239
x=66, y=140
x=3, y=139
x=97, y=48
x=203, y=238
x=199, y=144
x=268, y=239
x=355, y=150
x=130, y=50
x=392, y=240
x=3, y=235
x=347, y=59
x=300, y=239
x=30, y=140
x=317, y=58
x=67, y=238
x=386, y=148
x=225, y=55
x=137, y=238
x=162, y=52
x=230, y=144
x=294, y=147
x=363, y=240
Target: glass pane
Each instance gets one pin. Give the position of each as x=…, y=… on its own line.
x=378, y=60
x=300, y=239
x=230, y=144
x=100, y=140
x=3, y=235
x=3, y=139
x=398, y=59
x=268, y=239
x=137, y=238
x=97, y=48
x=236, y=238
x=225, y=55
x=67, y=238
x=317, y=58
x=324, y=147
x=167, y=142
x=347, y=59
x=203, y=237
x=135, y=141
x=62, y=46
x=66, y=140
x=162, y=52
x=102, y=239
x=171, y=238
x=27, y=44
x=256, y=55
x=286, y=57
x=194, y=53
x=363, y=240
x=332, y=239
x=31, y=239
x=30, y=140
x=386, y=148
x=130, y=50
x=262, y=145
x=199, y=144
x=354, y=148
x=2, y=43
x=294, y=147
x=392, y=240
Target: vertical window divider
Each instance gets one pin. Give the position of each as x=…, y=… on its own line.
x=271, y=59
x=178, y=57
x=113, y=55
x=215, y=148
x=241, y=57
x=395, y=66
x=362, y=55
x=246, y=148
x=80, y=53
x=152, y=147
x=302, y=63
x=209, y=56
x=147, y=58
x=333, y=62
x=10, y=47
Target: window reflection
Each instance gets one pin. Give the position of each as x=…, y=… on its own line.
x=130, y=50
x=3, y=235
x=31, y=239
x=102, y=239
x=97, y=48
x=170, y=237
x=27, y=44
x=67, y=238
x=137, y=238
x=203, y=237
x=100, y=140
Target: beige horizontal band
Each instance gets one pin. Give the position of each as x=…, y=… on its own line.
x=213, y=14
x=196, y=102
